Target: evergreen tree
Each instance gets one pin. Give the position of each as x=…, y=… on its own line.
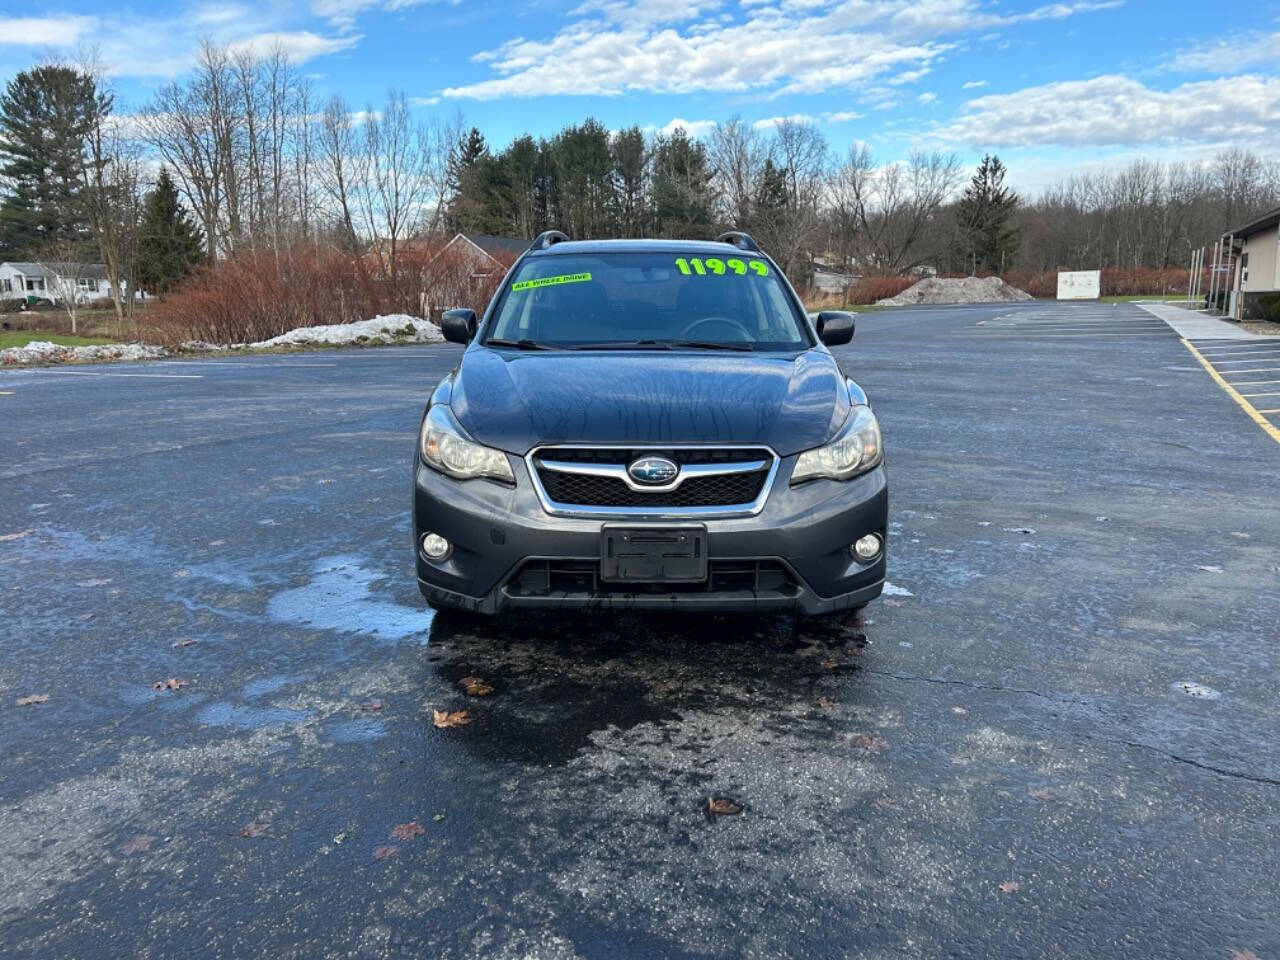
x=464, y=205
x=985, y=215
x=46, y=114
x=170, y=243
x=682, y=197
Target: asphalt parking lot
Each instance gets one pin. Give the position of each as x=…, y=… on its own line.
x=1056, y=736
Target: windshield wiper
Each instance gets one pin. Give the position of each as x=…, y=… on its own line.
x=712, y=344
x=662, y=345
x=523, y=344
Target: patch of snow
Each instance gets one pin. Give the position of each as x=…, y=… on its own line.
x=956, y=290
x=393, y=328
x=893, y=590
x=42, y=351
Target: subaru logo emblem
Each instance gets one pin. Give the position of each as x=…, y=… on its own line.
x=655, y=470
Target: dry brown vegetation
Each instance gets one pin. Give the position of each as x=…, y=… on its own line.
x=257, y=294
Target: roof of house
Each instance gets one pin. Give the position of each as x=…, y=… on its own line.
x=1264, y=222
x=498, y=246
x=87, y=271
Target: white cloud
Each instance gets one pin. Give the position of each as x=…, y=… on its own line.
x=927, y=97
x=768, y=123
x=299, y=45
x=1233, y=54
x=44, y=31
x=694, y=129
x=1116, y=110
x=974, y=84
x=343, y=13
x=781, y=47
x=842, y=116
x=648, y=12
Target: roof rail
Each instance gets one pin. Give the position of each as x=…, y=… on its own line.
x=740, y=240
x=546, y=238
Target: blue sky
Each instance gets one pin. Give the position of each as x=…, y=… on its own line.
x=1053, y=87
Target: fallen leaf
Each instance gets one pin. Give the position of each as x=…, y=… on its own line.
x=1239, y=534
x=255, y=828
x=1243, y=955
x=451, y=718
x=828, y=664
x=475, y=687
x=326, y=480
x=407, y=831
x=217, y=543
x=721, y=807
x=826, y=703
x=959, y=711
x=385, y=852
x=16, y=536
x=32, y=699
x=95, y=582
x=182, y=573
x=1009, y=886
x=138, y=843
x=371, y=706
x=1025, y=530
x=438, y=817
x=870, y=742
x=1209, y=567
x=173, y=683
x=184, y=642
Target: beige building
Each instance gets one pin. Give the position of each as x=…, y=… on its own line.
x=1257, y=248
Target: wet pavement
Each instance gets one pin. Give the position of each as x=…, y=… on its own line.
x=1056, y=737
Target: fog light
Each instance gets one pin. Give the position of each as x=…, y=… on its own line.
x=436, y=547
x=868, y=547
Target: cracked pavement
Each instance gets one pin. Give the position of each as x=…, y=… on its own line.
x=1056, y=738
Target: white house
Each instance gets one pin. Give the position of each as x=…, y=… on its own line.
x=54, y=282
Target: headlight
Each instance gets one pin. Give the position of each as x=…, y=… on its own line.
x=446, y=447
x=855, y=450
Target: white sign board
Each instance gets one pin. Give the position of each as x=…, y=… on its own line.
x=1080, y=285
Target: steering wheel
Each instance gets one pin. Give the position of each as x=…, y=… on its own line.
x=742, y=332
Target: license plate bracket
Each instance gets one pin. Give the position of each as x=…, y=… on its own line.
x=657, y=554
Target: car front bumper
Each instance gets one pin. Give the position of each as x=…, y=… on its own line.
x=508, y=552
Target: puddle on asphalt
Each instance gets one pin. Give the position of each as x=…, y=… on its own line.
x=241, y=717
x=338, y=598
x=360, y=730
x=265, y=685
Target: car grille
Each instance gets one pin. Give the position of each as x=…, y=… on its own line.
x=601, y=492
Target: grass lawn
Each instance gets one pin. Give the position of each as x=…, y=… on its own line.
x=20, y=338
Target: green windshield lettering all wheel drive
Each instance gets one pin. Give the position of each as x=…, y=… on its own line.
x=550, y=281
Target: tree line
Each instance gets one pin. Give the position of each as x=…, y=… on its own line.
x=241, y=155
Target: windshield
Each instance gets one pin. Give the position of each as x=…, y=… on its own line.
x=647, y=300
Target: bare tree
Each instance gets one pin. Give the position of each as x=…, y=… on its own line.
x=737, y=154
x=70, y=275
x=393, y=193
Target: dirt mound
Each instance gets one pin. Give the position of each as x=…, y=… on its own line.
x=961, y=290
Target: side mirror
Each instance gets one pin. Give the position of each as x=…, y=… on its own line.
x=834, y=327
x=458, y=326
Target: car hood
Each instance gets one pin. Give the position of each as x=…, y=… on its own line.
x=514, y=402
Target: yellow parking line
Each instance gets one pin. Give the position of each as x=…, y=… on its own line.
x=1254, y=413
